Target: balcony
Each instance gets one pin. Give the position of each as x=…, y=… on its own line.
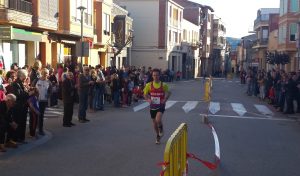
x=260, y=23
x=18, y=5
x=16, y=12
x=47, y=16
x=261, y=43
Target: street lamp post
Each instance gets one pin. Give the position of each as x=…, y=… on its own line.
x=81, y=8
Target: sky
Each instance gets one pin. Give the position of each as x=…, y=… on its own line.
x=238, y=15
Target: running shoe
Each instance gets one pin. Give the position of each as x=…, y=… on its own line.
x=157, y=139
x=160, y=131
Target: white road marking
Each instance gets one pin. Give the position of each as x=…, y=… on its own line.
x=54, y=112
x=237, y=81
x=248, y=117
x=54, y=109
x=238, y=108
x=170, y=104
x=141, y=106
x=214, y=107
x=264, y=110
x=230, y=81
x=217, y=144
x=189, y=106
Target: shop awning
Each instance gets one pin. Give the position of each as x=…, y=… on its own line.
x=11, y=33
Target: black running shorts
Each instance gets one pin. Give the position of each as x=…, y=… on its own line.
x=153, y=112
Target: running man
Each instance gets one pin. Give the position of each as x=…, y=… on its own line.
x=157, y=94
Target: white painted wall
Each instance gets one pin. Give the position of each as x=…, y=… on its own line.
x=145, y=15
x=154, y=58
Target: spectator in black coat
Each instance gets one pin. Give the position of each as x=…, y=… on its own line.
x=20, y=90
x=68, y=96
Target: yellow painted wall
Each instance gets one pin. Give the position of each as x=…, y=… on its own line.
x=30, y=53
x=76, y=28
x=48, y=53
x=94, y=57
x=103, y=59
x=54, y=51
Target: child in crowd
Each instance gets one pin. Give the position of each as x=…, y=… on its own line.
x=34, y=111
x=130, y=89
x=107, y=94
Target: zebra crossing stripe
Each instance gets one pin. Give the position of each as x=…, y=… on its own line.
x=263, y=109
x=54, y=112
x=54, y=109
x=141, y=106
x=189, y=106
x=170, y=104
x=214, y=107
x=238, y=108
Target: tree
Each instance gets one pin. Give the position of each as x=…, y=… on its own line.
x=120, y=46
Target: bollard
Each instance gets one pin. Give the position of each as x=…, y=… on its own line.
x=205, y=119
x=207, y=91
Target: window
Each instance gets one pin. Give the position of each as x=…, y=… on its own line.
x=264, y=17
x=294, y=6
x=265, y=34
x=106, y=23
x=74, y=10
x=87, y=13
x=283, y=7
x=170, y=36
x=282, y=34
x=175, y=17
x=293, y=31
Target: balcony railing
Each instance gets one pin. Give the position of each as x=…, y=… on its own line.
x=18, y=5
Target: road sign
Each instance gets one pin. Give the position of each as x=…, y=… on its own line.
x=86, y=49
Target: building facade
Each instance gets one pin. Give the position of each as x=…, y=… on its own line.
x=102, y=28
x=219, y=63
x=190, y=50
x=158, y=32
x=287, y=33
x=22, y=25
x=261, y=28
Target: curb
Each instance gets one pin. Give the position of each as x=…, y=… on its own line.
x=32, y=143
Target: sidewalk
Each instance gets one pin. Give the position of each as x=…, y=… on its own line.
x=34, y=142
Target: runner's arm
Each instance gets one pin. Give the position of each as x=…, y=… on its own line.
x=146, y=93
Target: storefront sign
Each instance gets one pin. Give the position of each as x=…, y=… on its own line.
x=10, y=33
x=5, y=32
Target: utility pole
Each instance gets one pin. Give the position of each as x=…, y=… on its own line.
x=81, y=8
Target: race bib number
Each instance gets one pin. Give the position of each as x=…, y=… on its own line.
x=155, y=100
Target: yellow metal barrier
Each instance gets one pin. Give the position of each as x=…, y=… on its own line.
x=175, y=152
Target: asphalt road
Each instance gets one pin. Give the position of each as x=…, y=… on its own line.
x=122, y=142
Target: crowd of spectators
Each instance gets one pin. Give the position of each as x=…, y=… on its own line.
x=280, y=88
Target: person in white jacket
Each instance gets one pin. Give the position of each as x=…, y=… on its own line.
x=44, y=87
